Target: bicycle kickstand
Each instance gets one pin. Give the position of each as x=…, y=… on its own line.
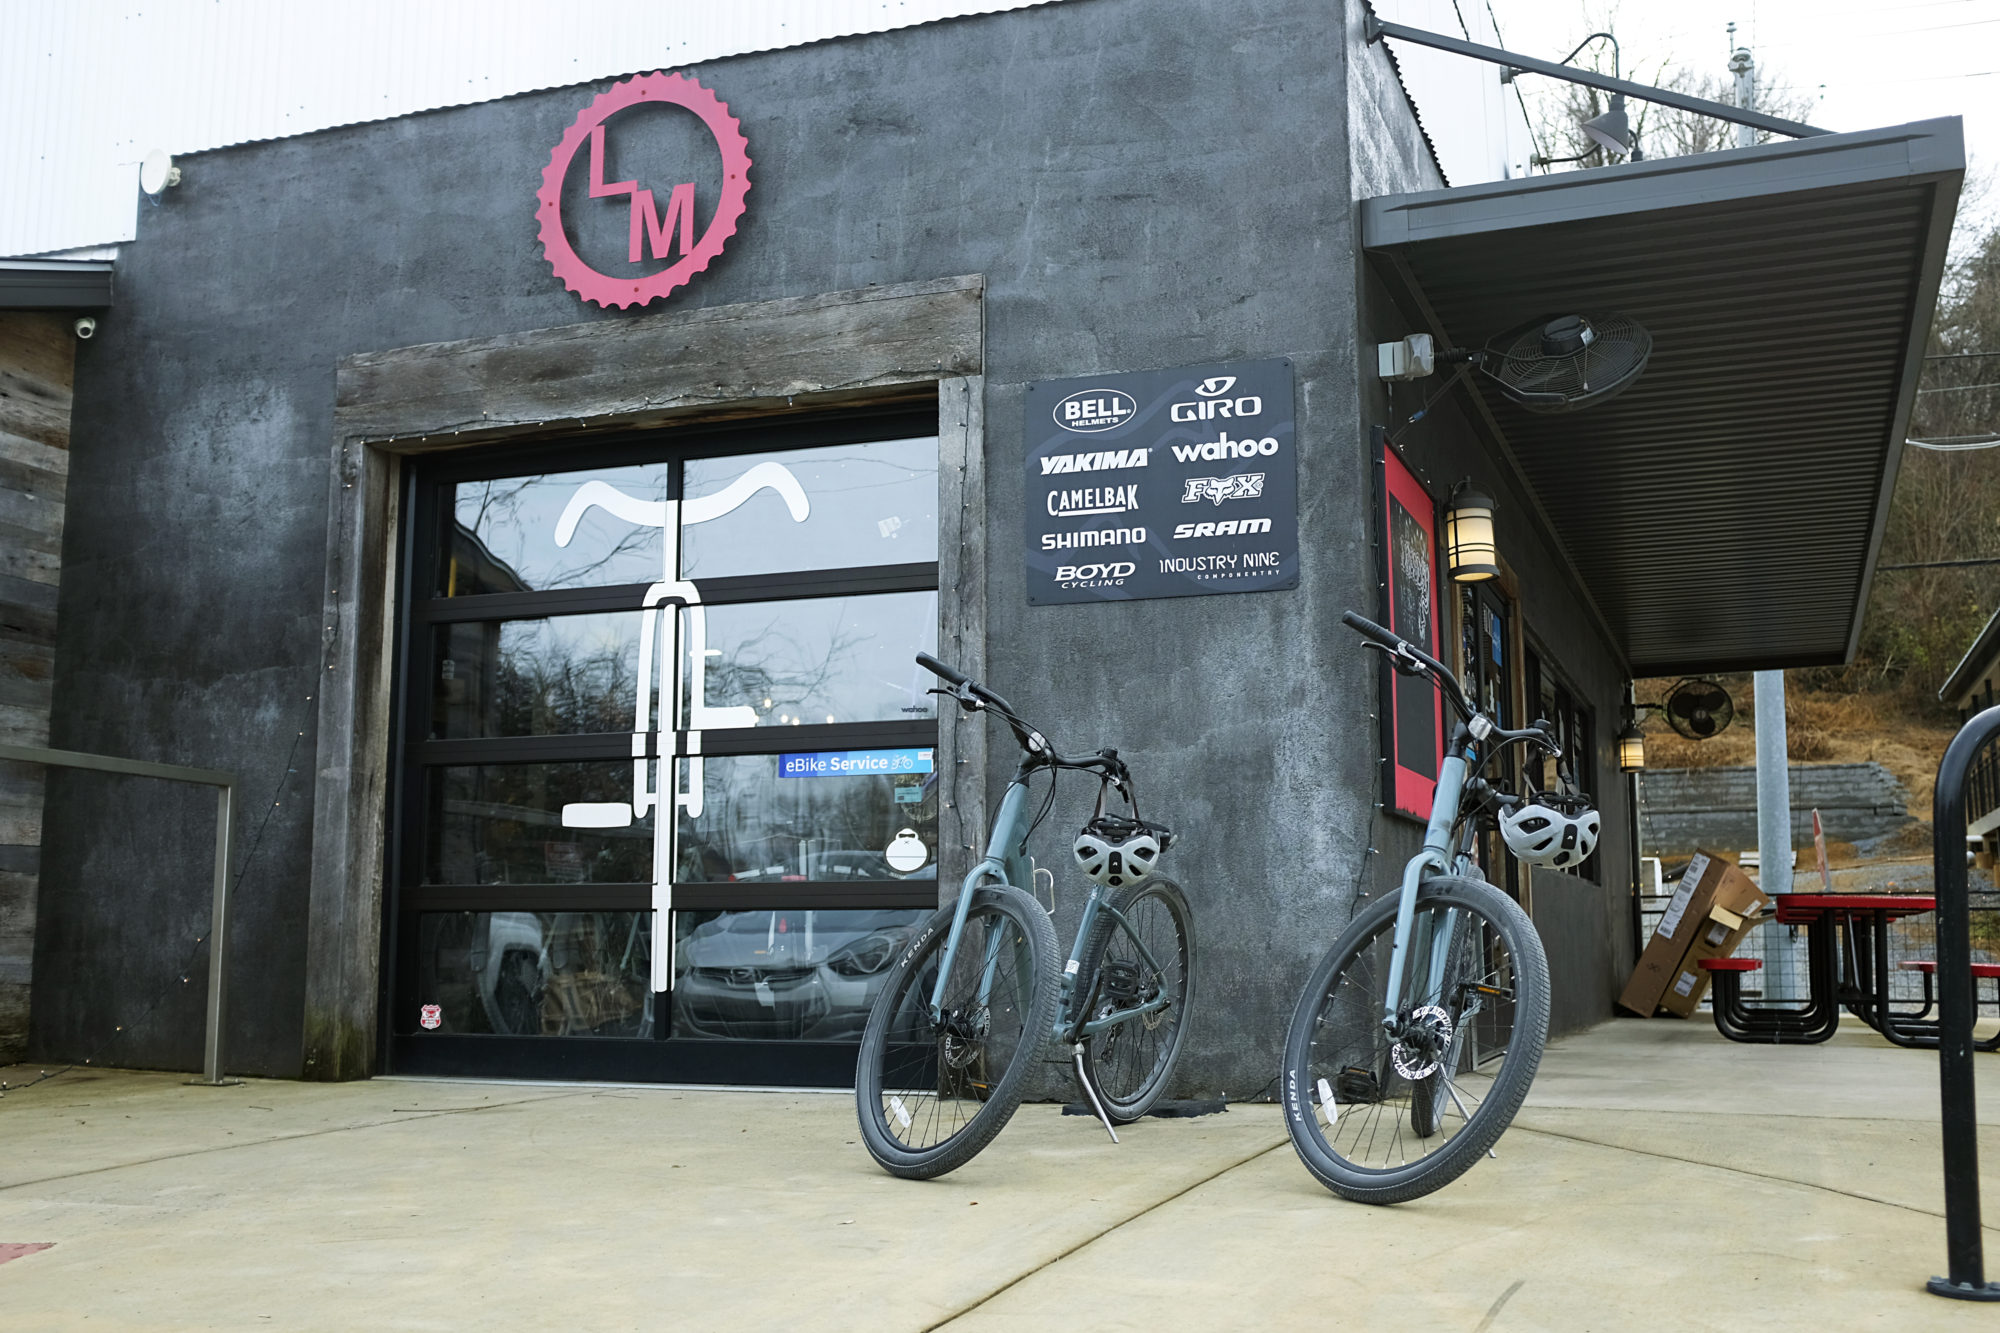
x=1076, y=1052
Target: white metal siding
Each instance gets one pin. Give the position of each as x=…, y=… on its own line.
x=1475, y=122
x=88, y=89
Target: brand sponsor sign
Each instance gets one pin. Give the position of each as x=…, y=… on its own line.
x=853, y=763
x=1162, y=483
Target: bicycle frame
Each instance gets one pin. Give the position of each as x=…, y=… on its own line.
x=1437, y=856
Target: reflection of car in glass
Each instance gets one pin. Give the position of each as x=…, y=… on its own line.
x=840, y=864
x=564, y=974
x=796, y=974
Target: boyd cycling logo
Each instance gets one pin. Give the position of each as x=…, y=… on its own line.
x=1093, y=500
x=1242, y=486
x=1228, y=527
x=1064, y=541
x=1094, y=410
x=1109, y=460
x=1211, y=451
x=1094, y=576
x=1213, y=402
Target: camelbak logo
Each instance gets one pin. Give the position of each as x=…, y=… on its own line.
x=1094, y=576
x=1093, y=500
x=1094, y=410
x=1242, y=486
x=1063, y=541
x=1228, y=527
x=1107, y=461
x=1215, y=450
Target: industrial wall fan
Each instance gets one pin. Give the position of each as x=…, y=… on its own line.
x=1552, y=363
x=1697, y=709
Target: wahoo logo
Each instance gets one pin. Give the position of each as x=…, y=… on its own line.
x=1212, y=404
x=1106, y=461
x=1211, y=451
x=1094, y=576
x=1242, y=486
x=1095, y=500
x=1063, y=541
x=1228, y=527
x=1094, y=410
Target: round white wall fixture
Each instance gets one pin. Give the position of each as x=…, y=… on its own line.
x=158, y=172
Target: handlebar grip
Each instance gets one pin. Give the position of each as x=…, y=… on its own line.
x=1374, y=631
x=937, y=668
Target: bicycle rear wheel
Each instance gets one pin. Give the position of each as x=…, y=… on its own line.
x=1145, y=957
x=1383, y=1117
x=932, y=1092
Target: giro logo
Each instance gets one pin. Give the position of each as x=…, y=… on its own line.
x=653, y=232
x=1211, y=451
x=1107, y=461
x=1212, y=404
x=1094, y=576
x=1242, y=486
x=1094, y=410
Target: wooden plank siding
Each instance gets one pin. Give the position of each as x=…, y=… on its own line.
x=37, y=358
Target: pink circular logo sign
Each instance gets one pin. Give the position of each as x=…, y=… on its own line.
x=658, y=228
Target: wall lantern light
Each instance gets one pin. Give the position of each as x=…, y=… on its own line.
x=1631, y=749
x=1470, y=553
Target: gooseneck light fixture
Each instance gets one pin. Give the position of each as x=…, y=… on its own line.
x=1469, y=550
x=1611, y=131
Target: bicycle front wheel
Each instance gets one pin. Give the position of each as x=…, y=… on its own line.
x=1143, y=956
x=1387, y=1114
x=932, y=1091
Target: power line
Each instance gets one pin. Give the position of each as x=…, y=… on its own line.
x=1938, y=564
x=1961, y=388
x=1961, y=356
x=1956, y=444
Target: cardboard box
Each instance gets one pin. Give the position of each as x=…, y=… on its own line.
x=1714, y=906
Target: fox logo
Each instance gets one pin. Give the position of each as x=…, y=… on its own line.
x=1242, y=486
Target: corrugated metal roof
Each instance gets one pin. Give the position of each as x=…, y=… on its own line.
x=87, y=90
x=1724, y=512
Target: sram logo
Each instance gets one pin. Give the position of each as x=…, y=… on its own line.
x=1092, y=576
x=1228, y=527
x=1242, y=486
x=1212, y=403
x=1210, y=451
x=1104, y=461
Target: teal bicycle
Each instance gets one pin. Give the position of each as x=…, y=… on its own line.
x=967, y=1008
x=1419, y=1032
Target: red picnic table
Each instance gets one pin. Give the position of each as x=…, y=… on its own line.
x=1847, y=964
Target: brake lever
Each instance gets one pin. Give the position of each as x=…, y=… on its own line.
x=967, y=700
x=1399, y=660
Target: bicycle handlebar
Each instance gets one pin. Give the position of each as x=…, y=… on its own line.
x=1397, y=646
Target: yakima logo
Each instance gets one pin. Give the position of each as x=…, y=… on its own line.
x=1105, y=461
x=1228, y=527
x=1094, y=500
x=1095, y=576
x=1095, y=409
x=1242, y=486
x=1063, y=541
x=1212, y=403
x=1210, y=451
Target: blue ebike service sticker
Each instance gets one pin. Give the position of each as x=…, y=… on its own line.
x=853, y=763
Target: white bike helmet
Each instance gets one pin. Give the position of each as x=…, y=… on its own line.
x=1543, y=833
x=1115, y=852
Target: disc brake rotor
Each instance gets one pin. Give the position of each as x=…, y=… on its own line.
x=1426, y=1037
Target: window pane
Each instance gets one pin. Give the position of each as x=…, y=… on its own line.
x=786, y=975
x=839, y=659
x=842, y=816
x=500, y=536
x=502, y=824
x=553, y=677
x=868, y=504
x=535, y=974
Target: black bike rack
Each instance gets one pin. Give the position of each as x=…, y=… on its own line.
x=1964, y=1245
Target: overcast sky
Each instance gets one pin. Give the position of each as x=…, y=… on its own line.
x=1866, y=65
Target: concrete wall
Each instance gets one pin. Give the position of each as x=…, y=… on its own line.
x=35, y=372
x=1681, y=809
x=1142, y=183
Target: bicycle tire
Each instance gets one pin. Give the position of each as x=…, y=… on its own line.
x=1476, y=1032
x=1128, y=1066
x=930, y=1096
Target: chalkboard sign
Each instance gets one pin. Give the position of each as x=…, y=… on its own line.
x=1416, y=712
x=1162, y=483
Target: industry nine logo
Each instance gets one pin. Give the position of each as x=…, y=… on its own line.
x=1242, y=486
x=1093, y=500
x=1105, y=461
x=1212, y=404
x=1094, y=410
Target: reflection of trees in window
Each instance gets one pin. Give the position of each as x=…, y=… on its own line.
x=549, y=685
x=758, y=826
x=489, y=514
x=773, y=670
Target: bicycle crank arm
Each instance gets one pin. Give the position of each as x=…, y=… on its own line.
x=1076, y=1053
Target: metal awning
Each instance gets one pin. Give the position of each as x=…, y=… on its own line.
x=1724, y=513
x=55, y=284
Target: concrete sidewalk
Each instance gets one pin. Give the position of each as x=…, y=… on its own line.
x=1660, y=1177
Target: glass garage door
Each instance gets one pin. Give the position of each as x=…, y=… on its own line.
x=667, y=800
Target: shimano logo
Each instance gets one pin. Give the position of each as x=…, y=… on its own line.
x=1228, y=527
x=1094, y=410
x=1223, y=448
x=1093, y=500
x=1212, y=404
x=1242, y=486
x=1094, y=576
x=1064, y=541
x=1107, y=461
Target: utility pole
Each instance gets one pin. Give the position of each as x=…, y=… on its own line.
x=1744, y=68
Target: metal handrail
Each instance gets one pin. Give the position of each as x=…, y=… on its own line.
x=1964, y=1241
x=211, y=1057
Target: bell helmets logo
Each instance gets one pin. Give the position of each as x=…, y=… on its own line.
x=1093, y=410
x=655, y=231
x=1242, y=486
x=1212, y=402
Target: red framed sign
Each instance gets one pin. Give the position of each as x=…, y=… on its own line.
x=1415, y=717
